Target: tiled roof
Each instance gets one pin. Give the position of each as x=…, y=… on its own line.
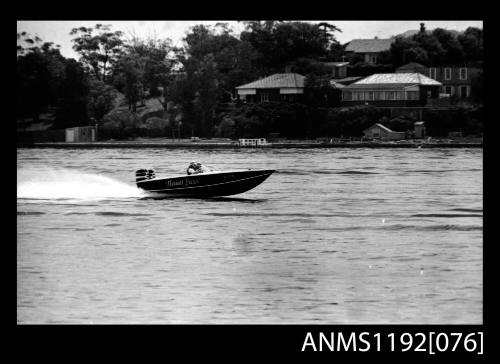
x=412, y=66
x=336, y=84
x=335, y=64
x=398, y=78
x=380, y=126
x=378, y=86
x=348, y=79
x=278, y=80
x=369, y=45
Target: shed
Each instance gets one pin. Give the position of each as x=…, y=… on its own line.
x=379, y=131
x=419, y=129
x=81, y=134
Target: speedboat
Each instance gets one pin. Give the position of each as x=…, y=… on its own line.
x=207, y=184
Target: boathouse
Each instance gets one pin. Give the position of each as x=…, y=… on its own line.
x=379, y=131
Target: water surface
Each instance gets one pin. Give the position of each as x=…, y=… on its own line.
x=335, y=236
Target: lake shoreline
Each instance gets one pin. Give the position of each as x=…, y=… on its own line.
x=233, y=145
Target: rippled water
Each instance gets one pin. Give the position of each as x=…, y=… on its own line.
x=335, y=236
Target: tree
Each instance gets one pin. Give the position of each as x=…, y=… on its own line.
x=428, y=50
x=100, y=99
x=400, y=50
x=471, y=41
x=129, y=74
x=453, y=50
x=72, y=102
x=440, y=47
x=98, y=47
x=40, y=71
x=156, y=59
x=335, y=49
x=214, y=62
x=283, y=42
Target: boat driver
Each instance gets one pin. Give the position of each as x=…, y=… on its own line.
x=191, y=169
x=200, y=168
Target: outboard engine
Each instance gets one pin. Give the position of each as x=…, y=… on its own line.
x=143, y=174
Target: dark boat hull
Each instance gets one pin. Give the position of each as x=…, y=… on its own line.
x=206, y=184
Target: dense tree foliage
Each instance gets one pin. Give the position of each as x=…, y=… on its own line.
x=47, y=81
x=439, y=48
x=116, y=79
x=278, y=43
x=99, y=48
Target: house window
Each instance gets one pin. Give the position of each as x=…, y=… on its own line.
x=264, y=97
x=358, y=95
x=391, y=95
x=432, y=73
x=447, y=73
x=448, y=90
x=464, y=91
x=412, y=95
x=373, y=59
x=369, y=95
x=463, y=73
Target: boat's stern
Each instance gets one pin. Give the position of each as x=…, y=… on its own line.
x=144, y=174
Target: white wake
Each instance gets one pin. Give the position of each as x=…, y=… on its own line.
x=57, y=183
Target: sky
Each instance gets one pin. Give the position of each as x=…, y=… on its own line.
x=58, y=31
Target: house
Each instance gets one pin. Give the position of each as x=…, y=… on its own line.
x=455, y=80
x=379, y=131
x=392, y=90
x=277, y=87
x=370, y=49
